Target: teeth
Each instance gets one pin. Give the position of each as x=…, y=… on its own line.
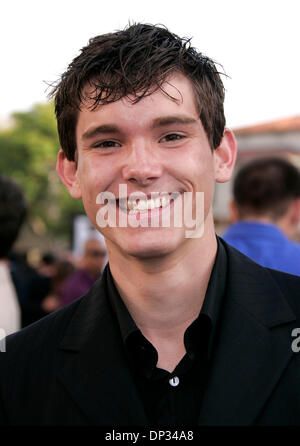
x=165, y=201
x=157, y=202
x=151, y=204
x=145, y=205
x=142, y=205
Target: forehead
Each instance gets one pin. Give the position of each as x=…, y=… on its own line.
x=176, y=95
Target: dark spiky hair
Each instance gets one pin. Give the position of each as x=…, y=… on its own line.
x=266, y=187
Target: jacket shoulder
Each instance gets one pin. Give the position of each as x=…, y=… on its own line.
x=242, y=265
x=290, y=287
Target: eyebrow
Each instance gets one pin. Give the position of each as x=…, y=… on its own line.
x=158, y=122
x=172, y=119
x=99, y=130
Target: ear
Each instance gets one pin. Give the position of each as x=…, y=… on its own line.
x=289, y=222
x=67, y=171
x=295, y=212
x=225, y=156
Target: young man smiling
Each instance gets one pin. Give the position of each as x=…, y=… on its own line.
x=179, y=330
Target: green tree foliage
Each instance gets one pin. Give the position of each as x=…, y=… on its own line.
x=28, y=152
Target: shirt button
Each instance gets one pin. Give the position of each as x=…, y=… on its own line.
x=174, y=381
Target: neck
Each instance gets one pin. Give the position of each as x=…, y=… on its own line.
x=164, y=295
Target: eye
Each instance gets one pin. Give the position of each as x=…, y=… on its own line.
x=107, y=144
x=172, y=137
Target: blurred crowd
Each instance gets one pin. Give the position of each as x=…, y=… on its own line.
x=27, y=292
x=57, y=280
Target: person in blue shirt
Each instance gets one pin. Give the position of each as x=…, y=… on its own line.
x=265, y=211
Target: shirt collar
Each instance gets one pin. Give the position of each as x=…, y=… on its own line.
x=125, y=321
x=260, y=229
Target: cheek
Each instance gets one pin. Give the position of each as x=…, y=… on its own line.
x=89, y=185
x=93, y=179
x=201, y=173
x=89, y=190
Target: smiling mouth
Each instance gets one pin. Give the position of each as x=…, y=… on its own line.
x=138, y=205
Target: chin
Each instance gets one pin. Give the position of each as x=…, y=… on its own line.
x=152, y=245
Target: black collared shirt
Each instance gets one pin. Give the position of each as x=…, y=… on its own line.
x=175, y=398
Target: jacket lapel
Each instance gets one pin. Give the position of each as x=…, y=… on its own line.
x=94, y=366
x=253, y=348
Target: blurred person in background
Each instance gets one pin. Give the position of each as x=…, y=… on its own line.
x=13, y=210
x=31, y=287
x=91, y=266
x=265, y=212
x=47, y=265
x=57, y=270
x=23, y=289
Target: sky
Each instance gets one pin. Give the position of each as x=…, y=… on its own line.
x=256, y=42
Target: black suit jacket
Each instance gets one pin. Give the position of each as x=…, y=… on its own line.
x=70, y=368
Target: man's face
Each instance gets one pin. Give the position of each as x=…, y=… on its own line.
x=156, y=145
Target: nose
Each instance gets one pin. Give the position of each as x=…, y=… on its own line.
x=142, y=165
